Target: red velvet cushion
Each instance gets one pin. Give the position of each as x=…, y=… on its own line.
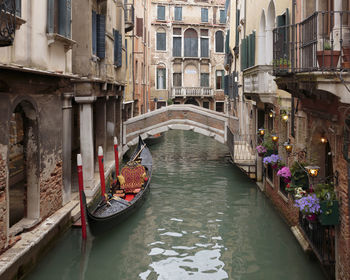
x=129, y=197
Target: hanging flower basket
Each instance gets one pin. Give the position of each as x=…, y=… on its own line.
x=284, y=172
x=261, y=150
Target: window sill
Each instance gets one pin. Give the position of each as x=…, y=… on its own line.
x=57, y=38
x=283, y=196
x=162, y=51
x=270, y=183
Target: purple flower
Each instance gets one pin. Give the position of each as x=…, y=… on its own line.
x=261, y=149
x=309, y=204
x=273, y=159
x=284, y=172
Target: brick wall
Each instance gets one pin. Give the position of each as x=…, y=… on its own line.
x=3, y=210
x=51, y=191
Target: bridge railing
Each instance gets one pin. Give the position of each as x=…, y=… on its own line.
x=191, y=91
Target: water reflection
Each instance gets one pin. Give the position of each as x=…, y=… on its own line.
x=203, y=219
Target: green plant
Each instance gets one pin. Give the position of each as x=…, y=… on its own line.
x=268, y=143
x=327, y=46
x=299, y=175
x=170, y=102
x=325, y=191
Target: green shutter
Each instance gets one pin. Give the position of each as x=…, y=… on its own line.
x=281, y=21
x=50, y=15
x=244, y=54
x=227, y=42
x=237, y=24
x=253, y=49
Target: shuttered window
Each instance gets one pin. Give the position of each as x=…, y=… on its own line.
x=177, y=79
x=161, y=40
x=204, y=15
x=237, y=24
x=126, y=52
x=219, y=79
x=100, y=35
x=222, y=16
x=226, y=84
x=204, y=79
x=118, y=48
x=204, y=47
x=161, y=12
x=191, y=43
x=59, y=17
x=219, y=41
x=177, y=46
x=161, y=78
x=139, y=27
x=94, y=40
x=18, y=8
x=248, y=51
x=227, y=42
x=178, y=13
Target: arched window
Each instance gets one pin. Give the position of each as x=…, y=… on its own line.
x=161, y=40
x=191, y=43
x=161, y=77
x=219, y=41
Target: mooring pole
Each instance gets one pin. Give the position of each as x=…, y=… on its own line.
x=116, y=155
x=102, y=171
x=81, y=189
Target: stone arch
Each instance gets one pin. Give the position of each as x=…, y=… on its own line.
x=270, y=25
x=262, y=40
x=23, y=161
x=192, y=101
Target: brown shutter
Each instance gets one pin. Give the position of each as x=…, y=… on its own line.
x=139, y=27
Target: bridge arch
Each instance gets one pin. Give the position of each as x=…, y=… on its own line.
x=183, y=117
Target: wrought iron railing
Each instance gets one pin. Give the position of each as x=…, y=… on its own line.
x=319, y=43
x=322, y=241
x=7, y=22
x=129, y=17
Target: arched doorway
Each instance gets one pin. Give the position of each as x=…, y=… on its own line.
x=192, y=101
x=23, y=164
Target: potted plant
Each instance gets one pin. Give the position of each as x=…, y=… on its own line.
x=268, y=144
x=273, y=160
x=327, y=58
x=284, y=172
x=309, y=205
x=299, y=177
x=261, y=150
x=328, y=203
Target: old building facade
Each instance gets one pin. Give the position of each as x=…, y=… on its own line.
x=187, y=45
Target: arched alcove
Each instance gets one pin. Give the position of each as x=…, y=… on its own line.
x=262, y=40
x=192, y=101
x=270, y=25
x=23, y=162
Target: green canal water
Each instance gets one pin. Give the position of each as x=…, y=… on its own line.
x=203, y=219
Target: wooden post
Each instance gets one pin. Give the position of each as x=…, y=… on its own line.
x=81, y=189
x=116, y=155
x=102, y=171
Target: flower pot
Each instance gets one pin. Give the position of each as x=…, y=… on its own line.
x=261, y=154
x=329, y=212
x=346, y=53
x=311, y=217
x=274, y=166
x=328, y=58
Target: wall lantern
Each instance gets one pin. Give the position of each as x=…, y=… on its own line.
x=323, y=140
x=261, y=131
x=312, y=170
x=285, y=117
x=288, y=147
x=271, y=113
x=274, y=138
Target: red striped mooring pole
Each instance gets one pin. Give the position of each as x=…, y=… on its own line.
x=116, y=155
x=81, y=189
x=102, y=171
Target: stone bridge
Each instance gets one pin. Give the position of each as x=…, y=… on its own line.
x=183, y=117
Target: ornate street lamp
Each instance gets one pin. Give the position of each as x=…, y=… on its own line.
x=288, y=147
x=285, y=117
x=7, y=22
x=274, y=138
x=323, y=140
x=261, y=131
x=312, y=170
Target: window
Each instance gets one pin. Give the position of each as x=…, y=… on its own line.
x=161, y=13
x=59, y=15
x=139, y=27
x=118, y=48
x=161, y=78
x=283, y=186
x=177, y=79
x=269, y=173
x=178, y=13
x=191, y=43
x=98, y=34
x=222, y=16
x=204, y=14
x=206, y=104
x=177, y=42
x=161, y=40
x=136, y=71
x=219, y=106
x=204, y=79
x=18, y=8
x=219, y=79
x=219, y=41
x=204, y=43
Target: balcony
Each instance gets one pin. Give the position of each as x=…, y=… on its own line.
x=7, y=22
x=259, y=83
x=320, y=43
x=129, y=17
x=192, y=92
x=322, y=241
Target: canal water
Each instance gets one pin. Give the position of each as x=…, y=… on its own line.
x=203, y=219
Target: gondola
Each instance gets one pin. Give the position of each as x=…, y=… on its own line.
x=109, y=213
x=154, y=139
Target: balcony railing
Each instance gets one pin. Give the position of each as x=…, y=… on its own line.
x=319, y=43
x=191, y=92
x=129, y=17
x=7, y=22
x=322, y=241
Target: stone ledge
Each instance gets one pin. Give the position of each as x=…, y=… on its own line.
x=302, y=241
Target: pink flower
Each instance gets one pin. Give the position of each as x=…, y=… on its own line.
x=284, y=172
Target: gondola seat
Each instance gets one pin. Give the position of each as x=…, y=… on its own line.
x=133, y=177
